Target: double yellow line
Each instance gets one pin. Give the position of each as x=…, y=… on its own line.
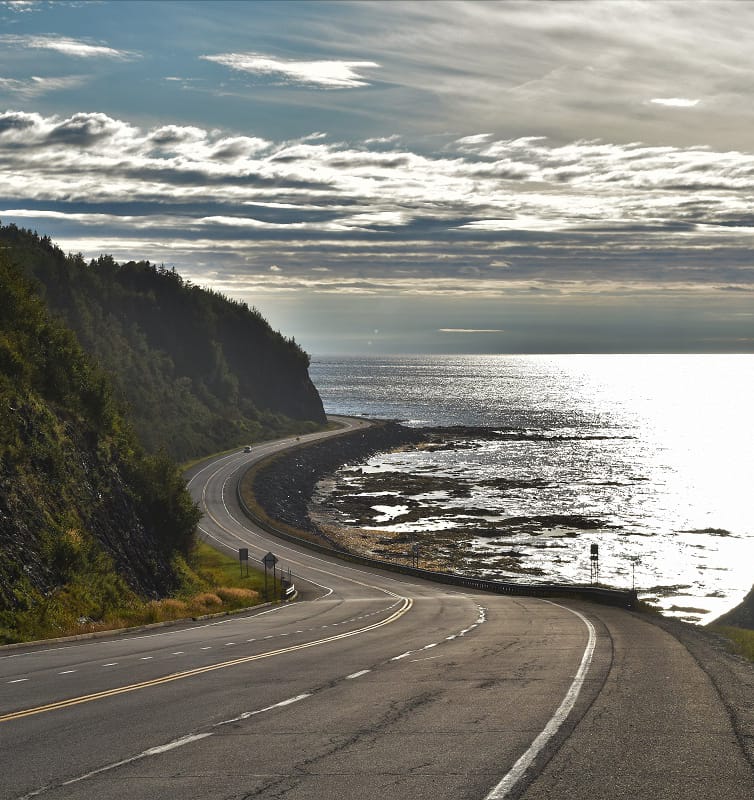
x=190, y=673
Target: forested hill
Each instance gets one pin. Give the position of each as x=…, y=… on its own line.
x=86, y=519
x=198, y=372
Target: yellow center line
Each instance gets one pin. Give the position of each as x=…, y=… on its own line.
x=176, y=676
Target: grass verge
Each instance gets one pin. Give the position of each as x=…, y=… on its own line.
x=741, y=639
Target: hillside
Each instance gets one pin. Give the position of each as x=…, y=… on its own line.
x=77, y=494
x=742, y=616
x=198, y=372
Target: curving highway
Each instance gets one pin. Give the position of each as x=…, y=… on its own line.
x=373, y=685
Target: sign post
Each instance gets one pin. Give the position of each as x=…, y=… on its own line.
x=594, y=559
x=269, y=561
x=243, y=555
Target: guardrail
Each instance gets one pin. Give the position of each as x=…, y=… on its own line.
x=625, y=598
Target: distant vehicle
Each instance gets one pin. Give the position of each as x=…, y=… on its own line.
x=247, y=449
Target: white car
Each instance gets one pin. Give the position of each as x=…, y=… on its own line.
x=247, y=449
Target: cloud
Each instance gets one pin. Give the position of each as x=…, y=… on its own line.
x=327, y=74
x=675, y=102
x=383, y=139
x=66, y=46
x=470, y=330
x=501, y=219
x=21, y=6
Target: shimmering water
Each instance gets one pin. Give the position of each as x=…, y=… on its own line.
x=658, y=448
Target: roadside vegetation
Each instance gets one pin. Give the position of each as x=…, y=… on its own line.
x=210, y=583
x=198, y=372
x=741, y=639
x=109, y=374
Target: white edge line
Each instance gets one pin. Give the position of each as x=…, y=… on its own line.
x=503, y=788
x=357, y=674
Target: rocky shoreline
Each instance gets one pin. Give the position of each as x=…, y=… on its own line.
x=284, y=486
x=286, y=489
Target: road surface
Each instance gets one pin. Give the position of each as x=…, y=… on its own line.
x=378, y=685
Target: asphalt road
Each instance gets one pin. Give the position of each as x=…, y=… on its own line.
x=379, y=685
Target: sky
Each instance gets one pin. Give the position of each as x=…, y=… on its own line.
x=403, y=177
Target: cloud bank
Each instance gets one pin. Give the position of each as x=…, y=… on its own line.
x=479, y=217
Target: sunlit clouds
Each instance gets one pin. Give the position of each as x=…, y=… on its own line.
x=497, y=162
x=480, y=217
x=674, y=102
x=326, y=74
x=64, y=45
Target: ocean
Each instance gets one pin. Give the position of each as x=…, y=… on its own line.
x=650, y=456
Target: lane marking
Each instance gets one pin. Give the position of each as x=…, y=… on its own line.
x=153, y=751
x=504, y=787
x=146, y=658
x=66, y=672
x=111, y=664
x=18, y=680
x=175, y=676
x=357, y=674
x=402, y=655
x=247, y=714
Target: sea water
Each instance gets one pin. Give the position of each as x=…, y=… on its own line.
x=657, y=449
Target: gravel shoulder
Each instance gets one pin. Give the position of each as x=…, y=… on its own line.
x=731, y=675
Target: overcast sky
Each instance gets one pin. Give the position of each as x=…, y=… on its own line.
x=403, y=177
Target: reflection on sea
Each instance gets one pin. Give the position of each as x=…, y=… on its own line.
x=650, y=457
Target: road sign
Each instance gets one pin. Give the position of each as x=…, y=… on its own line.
x=243, y=553
x=270, y=560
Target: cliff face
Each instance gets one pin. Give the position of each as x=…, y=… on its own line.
x=82, y=510
x=198, y=372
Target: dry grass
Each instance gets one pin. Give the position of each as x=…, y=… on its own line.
x=741, y=639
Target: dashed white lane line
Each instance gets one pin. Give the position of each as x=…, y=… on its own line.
x=205, y=648
x=18, y=680
x=402, y=655
x=164, y=748
x=178, y=653
x=67, y=672
x=247, y=714
x=229, y=644
x=357, y=674
x=111, y=664
x=481, y=619
x=153, y=751
x=146, y=658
